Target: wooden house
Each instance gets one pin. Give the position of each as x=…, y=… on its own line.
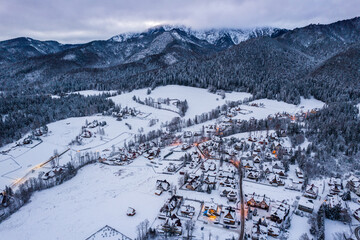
x=311, y=191
x=258, y=201
x=229, y=217
x=279, y=211
x=187, y=211
x=162, y=185
x=306, y=205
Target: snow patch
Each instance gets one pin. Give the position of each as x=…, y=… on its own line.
x=170, y=59
x=69, y=57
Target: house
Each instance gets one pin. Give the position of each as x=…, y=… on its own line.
x=335, y=201
x=171, y=224
x=171, y=168
x=334, y=182
x=258, y=201
x=187, y=134
x=193, y=183
x=229, y=217
x=224, y=174
x=185, y=146
x=27, y=140
x=93, y=124
x=40, y=131
x=253, y=175
x=273, y=231
x=335, y=189
x=158, y=192
x=248, y=164
x=279, y=211
x=279, y=172
x=232, y=196
x=306, y=205
x=311, y=191
x=170, y=205
x=162, y=185
x=353, y=183
x=266, y=169
x=187, y=211
x=228, y=182
x=52, y=173
x=259, y=232
x=257, y=159
x=278, y=165
x=210, y=180
x=86, y=134
x=131, y=211
x=225, y=192
x=275, y=180
x=211, y=209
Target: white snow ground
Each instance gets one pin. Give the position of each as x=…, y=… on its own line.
x=97, y=196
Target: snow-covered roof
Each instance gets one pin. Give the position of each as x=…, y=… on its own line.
x=335, y=200
x=306, y=203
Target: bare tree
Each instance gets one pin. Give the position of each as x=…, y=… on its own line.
x=142, y=230
x=189, y=227
x=304, y=237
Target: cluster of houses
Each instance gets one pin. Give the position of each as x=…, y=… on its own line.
x=126, y=155
x=306, y=202
x=40, y=131
x=353, y=184
x=298, y=117
x=218, y=214
x=52, y=173
x=194, y=182
x=273, y=215
x=258, y=201
x=124, y=113
x=259, y=158
x=85, y=133
x=162, y=186
x=170, y=223
x=35, y=134
x=228, y=184
x=262, y=228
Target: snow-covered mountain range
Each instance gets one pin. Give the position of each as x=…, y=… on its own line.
x=212, y=36
x=226, y=58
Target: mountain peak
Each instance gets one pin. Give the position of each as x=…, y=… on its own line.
x=212, y=36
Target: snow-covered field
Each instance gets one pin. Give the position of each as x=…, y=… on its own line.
x=100, y=195
x=20, y=160
x=199, y=100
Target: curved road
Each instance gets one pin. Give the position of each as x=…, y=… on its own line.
x=357, y=233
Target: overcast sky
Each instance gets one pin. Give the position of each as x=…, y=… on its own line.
x=74, y=21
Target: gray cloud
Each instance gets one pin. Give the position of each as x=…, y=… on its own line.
x=72, y=21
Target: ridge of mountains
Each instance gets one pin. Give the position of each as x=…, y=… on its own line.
x=128, y=47
x=267, y=62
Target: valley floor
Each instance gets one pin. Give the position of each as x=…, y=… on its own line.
x=101, y=194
